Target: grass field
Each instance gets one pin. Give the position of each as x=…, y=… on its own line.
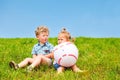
x=100, y=56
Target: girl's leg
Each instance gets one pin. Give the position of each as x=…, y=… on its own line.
x=60, y=69
x=75, y=68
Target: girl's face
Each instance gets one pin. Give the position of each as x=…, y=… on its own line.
x=61, y=39
x=42, y=37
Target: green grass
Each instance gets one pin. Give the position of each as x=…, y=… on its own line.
x=100, y=56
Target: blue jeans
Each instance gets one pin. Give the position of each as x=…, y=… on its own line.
x=56, y=66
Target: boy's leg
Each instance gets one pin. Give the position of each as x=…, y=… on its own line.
x=12, y=64
x=25, y=62
x=36, y=61
x=21, y=64
x=43, y=60
x=40, y=59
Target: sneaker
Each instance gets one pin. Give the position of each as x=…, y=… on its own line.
x=29, y=68
x=49, y=62
x=12, y=64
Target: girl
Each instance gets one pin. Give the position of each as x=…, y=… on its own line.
x=64, y=36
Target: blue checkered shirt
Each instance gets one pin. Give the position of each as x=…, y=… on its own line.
x=42, y=49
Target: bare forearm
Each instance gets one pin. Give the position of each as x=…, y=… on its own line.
x=34, y=55
x=50, y=55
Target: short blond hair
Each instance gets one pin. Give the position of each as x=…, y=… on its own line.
x=41, y=29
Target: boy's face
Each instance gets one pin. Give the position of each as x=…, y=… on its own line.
x=61, y=39
x=43, y=37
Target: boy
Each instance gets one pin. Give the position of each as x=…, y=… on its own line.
x=39, y=51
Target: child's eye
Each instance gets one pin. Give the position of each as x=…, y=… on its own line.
x=47, y=35
x=59, y=39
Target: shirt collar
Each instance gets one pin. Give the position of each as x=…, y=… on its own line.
x=43, y=44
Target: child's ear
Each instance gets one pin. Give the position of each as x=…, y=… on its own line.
x=37, y=36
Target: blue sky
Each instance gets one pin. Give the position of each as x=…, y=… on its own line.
x=86, y=18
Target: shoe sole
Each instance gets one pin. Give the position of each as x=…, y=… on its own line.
x=12, y=64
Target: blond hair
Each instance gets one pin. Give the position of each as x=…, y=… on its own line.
x=66, y=34
x=41, y=29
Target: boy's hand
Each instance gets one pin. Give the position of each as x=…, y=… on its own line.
x=50, y=55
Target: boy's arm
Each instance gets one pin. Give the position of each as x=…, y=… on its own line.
x=50, y=55
x=34, y=55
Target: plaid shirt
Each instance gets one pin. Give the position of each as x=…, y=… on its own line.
x=42, y=49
